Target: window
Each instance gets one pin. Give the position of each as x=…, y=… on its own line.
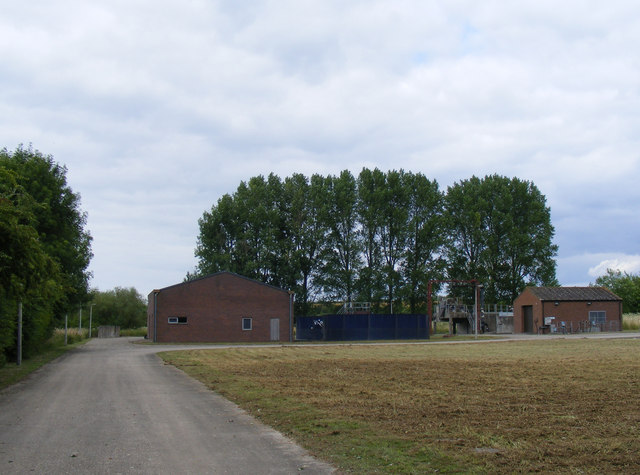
x=247, y=323
x=597, y=317
x=177, y=320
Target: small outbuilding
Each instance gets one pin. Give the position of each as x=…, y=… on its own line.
x=221, y=307
x=566, y=309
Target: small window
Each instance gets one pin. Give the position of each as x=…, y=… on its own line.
x=597, y=317
x=247, y=323
x=177, y=320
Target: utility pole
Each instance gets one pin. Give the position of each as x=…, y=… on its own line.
x=90, y=316
x=80, y=321
x=19, y=359
x=66, y=319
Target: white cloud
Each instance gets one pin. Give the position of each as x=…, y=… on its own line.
x=158, y=108
x=623, y=263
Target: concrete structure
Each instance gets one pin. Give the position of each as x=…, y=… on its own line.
x=108, y=331
x=566, y=309
x=221, y=307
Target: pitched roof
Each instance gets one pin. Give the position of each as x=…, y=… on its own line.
x=216, y=274
x=574, y=293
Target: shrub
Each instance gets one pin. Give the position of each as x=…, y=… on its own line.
x=142, y=331
x=73, y=336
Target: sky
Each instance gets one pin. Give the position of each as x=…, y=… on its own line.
x=158, y=108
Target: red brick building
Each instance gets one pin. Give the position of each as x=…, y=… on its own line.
x=543, y=309
x=221, y=307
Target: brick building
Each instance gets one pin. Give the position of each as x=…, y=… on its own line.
x=544, y=309
x=221, y=307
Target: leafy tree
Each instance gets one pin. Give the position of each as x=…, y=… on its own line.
x=425, y=239
x=216, y=248
x=304, y=231
x=500, y=233
x=393, y=230
x=624, y=285
x=27, y=273
x=123, y=307
x=371, y=185
x=382, y=236
x=60, y=223
x=342, y=245
x=44, y=249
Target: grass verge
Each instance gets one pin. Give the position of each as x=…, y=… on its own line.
x=545, y=406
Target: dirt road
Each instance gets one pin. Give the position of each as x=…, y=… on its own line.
x=113, y=407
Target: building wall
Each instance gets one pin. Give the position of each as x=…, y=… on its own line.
x=524, y=299
x=567, y=311
x=214, y=307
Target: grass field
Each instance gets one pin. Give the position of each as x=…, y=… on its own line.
x=569, y=406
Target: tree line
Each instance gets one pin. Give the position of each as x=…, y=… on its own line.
x=380, y=237
x=45, y=249
x=624, y=285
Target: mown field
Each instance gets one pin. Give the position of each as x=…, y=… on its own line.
x=569, y=406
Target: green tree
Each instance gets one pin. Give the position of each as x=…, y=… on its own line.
x=500, y=233
x=216, y=247
x=371, y=185
x=304, y=232
x=394, y=228
x=624, y=285
x=123, y=307
x=27, y=273
x=425, y=239
x=60, y=223
x=341, y=253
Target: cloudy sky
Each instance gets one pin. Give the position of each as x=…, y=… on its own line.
x=159, y=107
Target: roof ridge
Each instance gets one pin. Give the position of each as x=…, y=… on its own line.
x=214, y=274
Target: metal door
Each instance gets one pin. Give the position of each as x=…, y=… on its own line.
x=527, y=316
x=275, y=329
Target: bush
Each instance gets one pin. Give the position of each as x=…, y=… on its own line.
x=73, y=336
x=142, y=331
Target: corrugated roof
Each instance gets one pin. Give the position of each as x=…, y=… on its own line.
x=574, y=293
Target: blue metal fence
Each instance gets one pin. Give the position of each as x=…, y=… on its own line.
x=362, y=327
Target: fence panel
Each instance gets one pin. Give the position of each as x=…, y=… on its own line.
x=362, y=327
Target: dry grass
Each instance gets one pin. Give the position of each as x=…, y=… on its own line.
x=542, y=406
x=631, y=321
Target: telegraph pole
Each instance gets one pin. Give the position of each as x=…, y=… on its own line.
x=90, y=316
x=19, y=359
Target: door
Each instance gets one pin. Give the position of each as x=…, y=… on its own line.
x=275, y=329
x=527, y=316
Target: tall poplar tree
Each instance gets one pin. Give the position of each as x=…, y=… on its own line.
x=394, y=230
x=424, y=258
x=500, y=233
x=371, y=185
x=341, y=253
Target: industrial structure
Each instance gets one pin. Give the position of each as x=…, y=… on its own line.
x=221, y=307
x=567, y=310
